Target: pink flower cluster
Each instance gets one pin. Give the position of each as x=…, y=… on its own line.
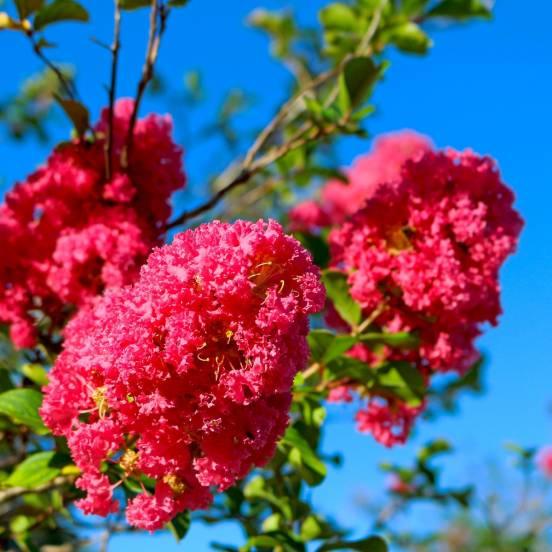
x=422, y=253
x=185, y=377
x=340, y=199
x=67, y=233
x=544, y=461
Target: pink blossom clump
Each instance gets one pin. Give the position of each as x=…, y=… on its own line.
x=544, y=461
x=423, y=255
x=185, y=377
x=68, y=231
x=340, y=199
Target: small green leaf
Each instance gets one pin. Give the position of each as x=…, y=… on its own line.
x=402, y=340
x=356, y=82
x=134, y=4
x=36, y=373
x=437, y=446
x=27, y=7
x=178, y=3
x=21, y=405
x=408, y=37
x=352, y=369
x=337, y=288
x=460, y=9
x=180, y=525
x=59, y=11
x=77, y=112
x=302, y=454
x=35, y=470
x=326, y=346
x=370, y=544
x=339, y=16
x=310, y=529
x=403, y=380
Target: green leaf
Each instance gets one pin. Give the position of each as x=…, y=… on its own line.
x=402, y=340
x=408, y=37
x=59, y=11
x=134, y=4
x=370, y=544
x=36, y=373
x=278, y=540
x=27, y=7
x=433, y=448
x=178, y=3
x=356, y=82
x=257, y=489
x=351, y=368
x=403, y=380
x=302, y=454
x=337, y=289
x=413, y=8
x=36, y=470
x=310, y=528
x=180, y=525
x=460, y=9
x=77, y=112
x=326, y=346
x=339, y=16
x=21, y=405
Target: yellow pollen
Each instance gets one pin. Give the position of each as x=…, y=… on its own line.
x=229, y=334
x=100, y=400
x=128, y=461
x=175, y=483
x=282, y=284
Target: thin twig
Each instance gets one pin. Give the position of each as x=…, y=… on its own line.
x=67, y=87
x=250, y=167
x=246, y=174
x=115, y=47
x=157, y=26
x=15, y=492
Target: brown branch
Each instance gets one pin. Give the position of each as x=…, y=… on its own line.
x=15, y=492
x=114, y=48
x=250, y=167
x=67, y=87
x=159, y=14
x=246, y=174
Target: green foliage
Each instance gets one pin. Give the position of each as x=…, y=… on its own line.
x=77, y=113
x=35, y=470
x=337, y=289
x=370, y=544
x=27, y=7
x=59, y=11
x=180, y=525
x=408, y=37
x=356, y=82
x=461, y=9
x=21, y=406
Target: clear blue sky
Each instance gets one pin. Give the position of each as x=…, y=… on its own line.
x=484, y=86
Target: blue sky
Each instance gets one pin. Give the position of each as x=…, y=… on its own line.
x=487, y=86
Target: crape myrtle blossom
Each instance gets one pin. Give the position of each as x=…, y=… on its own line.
x=340, y=199
x=544, y=461
x=68, y=232
x=423, y=253
x=185, y=377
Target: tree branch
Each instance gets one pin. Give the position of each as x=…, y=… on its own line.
x=15, y=492
x=65, y=84
x=115, y=47
x=250, y=167
x=159, y=14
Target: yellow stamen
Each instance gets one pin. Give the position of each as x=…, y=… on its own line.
x=175, y=483
x=128, y=461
